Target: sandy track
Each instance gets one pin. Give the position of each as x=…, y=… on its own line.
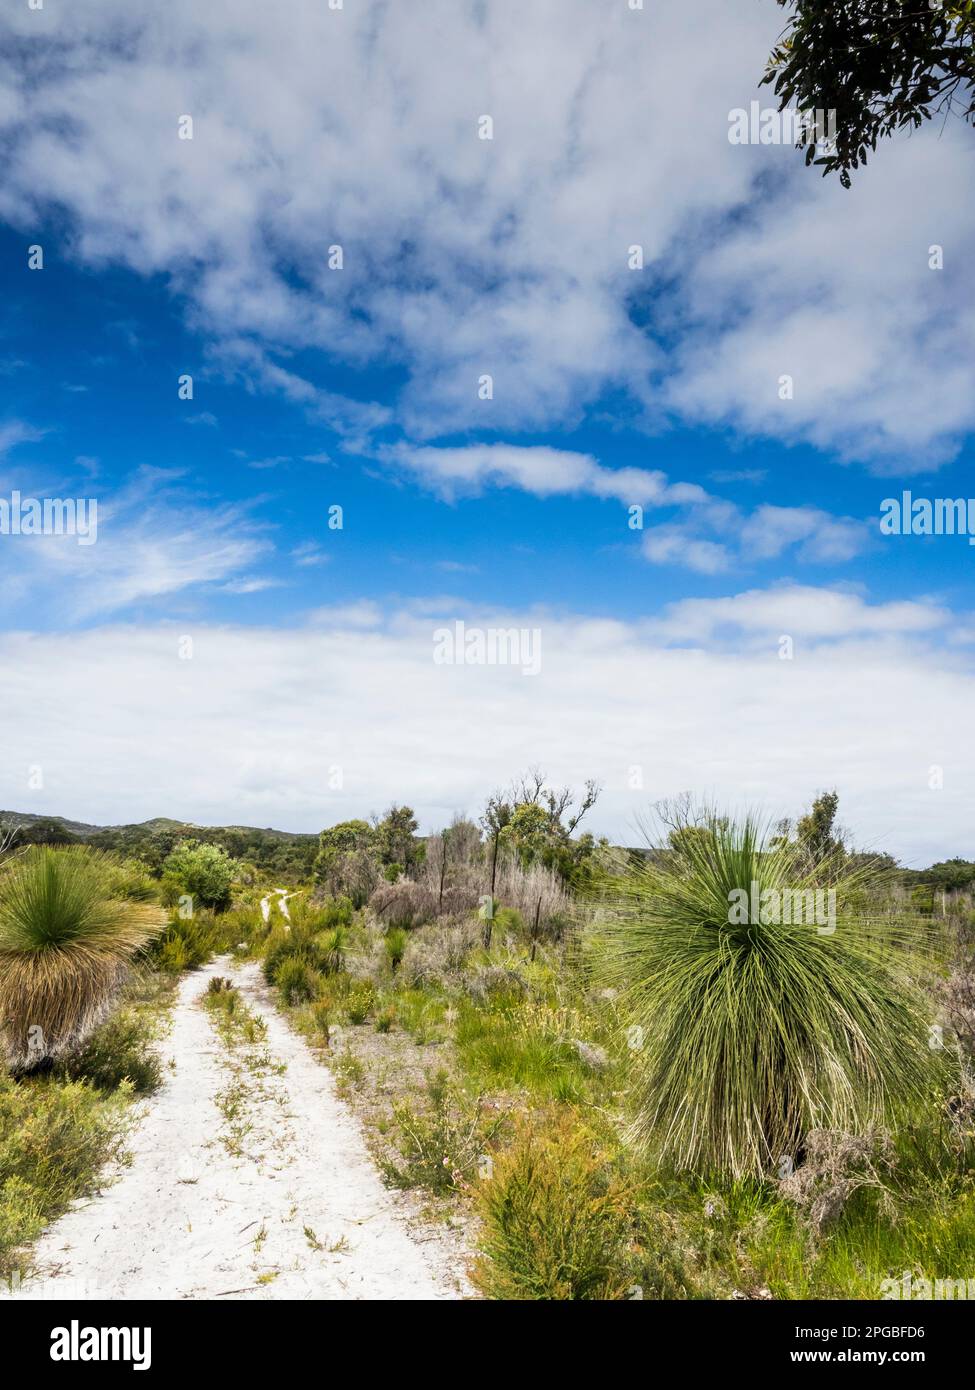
x=279, y=1201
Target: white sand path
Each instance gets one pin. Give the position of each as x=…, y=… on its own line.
x=282, y=904
x=301, y=1203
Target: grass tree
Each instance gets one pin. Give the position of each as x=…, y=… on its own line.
x=750, y=1024
x=65, y=949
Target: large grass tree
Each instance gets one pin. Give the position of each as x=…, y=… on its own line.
x=748, y=1031
x=65, y=949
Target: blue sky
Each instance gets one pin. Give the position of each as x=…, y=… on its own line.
x=315, y=387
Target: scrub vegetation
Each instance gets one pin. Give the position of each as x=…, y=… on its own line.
x=619, y=1073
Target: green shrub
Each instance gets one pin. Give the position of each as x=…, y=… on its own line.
x=554, y=1222
x=296, y=981
x=202, y=871
x=509, y=921
x=321, y=950
x=233, y=1019
x=189, y=942
x=21, y=1218
x=54, y=1139
x=385, y=1019
x=331, y=946
x=120, y=1051
x=359, y=1001
x=171, y=956
x=332, y=912
x=922, y=899
x=442, y=1145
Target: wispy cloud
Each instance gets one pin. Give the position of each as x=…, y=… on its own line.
x=155, y=539
x=14, y=432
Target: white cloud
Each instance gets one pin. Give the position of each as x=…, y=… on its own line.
x=770, y=530
x=673, y=545
x=833, y=289
x=799, y=610
x=741, y=539
x=543, y=471
x=250, y=728
x=709, y=537
x=509, y=257
x=457, y=567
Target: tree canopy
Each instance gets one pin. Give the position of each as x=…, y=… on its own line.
x=880, y=65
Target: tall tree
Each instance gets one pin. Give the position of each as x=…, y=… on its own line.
x=396, y=837
x=817, y=831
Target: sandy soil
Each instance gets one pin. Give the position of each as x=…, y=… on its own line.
x=249, y=1179
x=282, y=904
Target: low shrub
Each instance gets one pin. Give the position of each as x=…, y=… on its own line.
x=232, y=1018
x=359, y=1001
x=490, y=982
x=444, y=1144
x=120, y=1051
x=322, y=950
x=296, y=980
x=435, y=956
x=320, y=916
x=54, y=1139
x=321, y=1020
x=506, y=1046
x=189, y=942
x=131, y=881
x=66, y=948
x=202, y=871
x=835, y=1167
x=508, y=921
x=554, y=1217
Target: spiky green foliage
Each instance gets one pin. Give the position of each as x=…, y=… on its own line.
x=65, y=947
x=394, y=943
x=745, y=1035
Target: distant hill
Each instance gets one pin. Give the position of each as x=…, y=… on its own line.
x=158, y=825
x=279, y=851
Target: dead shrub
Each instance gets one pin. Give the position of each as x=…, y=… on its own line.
x=836, y=1166
x=403, y=904
x=435, y=955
